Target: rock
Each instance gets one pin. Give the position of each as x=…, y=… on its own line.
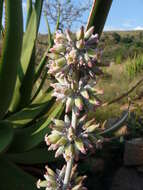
x=127, y=179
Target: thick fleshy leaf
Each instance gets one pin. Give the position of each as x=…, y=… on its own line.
x=13, y=178
x=29, y=11
x=98, y=15
x=1, y=13
x=41, y=83
x=44, y=58
x=111, y=130
x=27, y=52
x=36, y=156
x=6, y=136
x=29, y=113
x=11, y=52
x=30, y=137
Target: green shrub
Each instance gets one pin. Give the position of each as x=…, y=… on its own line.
x=116, y=37
x=134, y=65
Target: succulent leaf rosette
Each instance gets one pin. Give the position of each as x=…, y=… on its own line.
x=54, y=180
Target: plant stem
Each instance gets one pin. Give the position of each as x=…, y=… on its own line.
x=68, y=173
x=74, y=119
x=70, y=162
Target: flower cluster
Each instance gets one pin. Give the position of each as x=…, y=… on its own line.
x=68, y=141
x=82, y=95
x=75, y=52
x=54, y=180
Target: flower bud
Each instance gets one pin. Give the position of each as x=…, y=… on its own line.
x=70, y=36
x=60, y=62
x=89, y=33
x=88, y=123
x=59, y=123
x=69, y=151
x=59, y=151
x=69, y=104
x=49, y=171
x=58, y=48
x=80, y=34
x=85, y=94
x=71, y=134
x=92, y=128
x=53, y=56
x=52, y=139
x=94, y=101
x=67, y=120
x=80, y=44
x=79, y=103
x=79, y=145
x=40, y=183
x=62, y=141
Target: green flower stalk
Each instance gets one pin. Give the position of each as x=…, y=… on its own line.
x=73, y=61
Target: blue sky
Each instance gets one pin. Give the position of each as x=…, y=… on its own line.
x=123, y=15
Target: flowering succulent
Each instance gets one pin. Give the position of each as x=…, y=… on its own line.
x=54, y=180
x=74, y=62
x=69, y=141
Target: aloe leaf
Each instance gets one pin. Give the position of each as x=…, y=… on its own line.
x=30, y=35
x=6, y=135
x=28, y=138
x=12, y=177
x=28, y=114
x=27, y=52
x=44, y=58
x=50, y=40
x=29, y=11
x=27, y=83
x=98, y=15
x=40, y=86
x=34, y=156
x=115, y=127
x=1, y=12
x=11, y=52
x=41, y=65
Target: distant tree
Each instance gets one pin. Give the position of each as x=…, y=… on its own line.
x=128, y=39
x=141, y=35
x=71, y=11
x=116, y=37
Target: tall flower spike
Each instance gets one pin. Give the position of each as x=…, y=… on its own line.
x=74, y=62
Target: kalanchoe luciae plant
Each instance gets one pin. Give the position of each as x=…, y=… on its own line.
x=73, y=61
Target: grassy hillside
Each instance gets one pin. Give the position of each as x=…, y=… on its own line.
x=117, y=46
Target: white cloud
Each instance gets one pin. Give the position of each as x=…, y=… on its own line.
x=138, y=28
x=128, y=24
x=112, y=28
